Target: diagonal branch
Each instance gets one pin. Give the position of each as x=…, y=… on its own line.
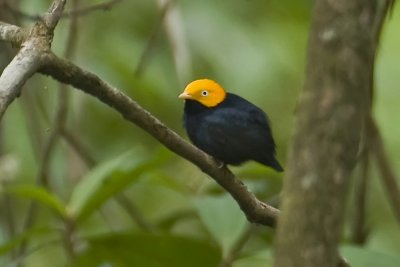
x=66, y=72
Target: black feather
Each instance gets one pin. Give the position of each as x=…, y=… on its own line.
x=233, y=132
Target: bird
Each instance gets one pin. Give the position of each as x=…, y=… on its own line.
x=227, y=126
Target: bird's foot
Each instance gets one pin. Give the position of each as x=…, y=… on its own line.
x=220, y=164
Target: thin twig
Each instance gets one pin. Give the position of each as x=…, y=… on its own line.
x=61, y=119
x=34, y=125
x=5, y=5
x=388, y=175
x=98, y=7
x=358, y=230
x=78, y=147
x=144, y=57
x=67, y=14
x=18, y=261
x=134, y=212
x=62, y=106
x=237, y=247
x=21, y=68
x=27, y=224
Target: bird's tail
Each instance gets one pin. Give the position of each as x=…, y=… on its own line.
x=273, y=163
x=276, y=165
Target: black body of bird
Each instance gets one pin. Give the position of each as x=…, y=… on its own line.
x=234, y=131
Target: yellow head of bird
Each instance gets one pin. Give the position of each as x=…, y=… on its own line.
x=207, y=92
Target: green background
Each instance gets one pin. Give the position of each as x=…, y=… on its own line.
x=256, y=49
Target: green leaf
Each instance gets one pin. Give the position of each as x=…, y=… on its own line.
x=364, y=257
x=223, y=218
x=150, y=250
x=106, y=180
x=38, y=194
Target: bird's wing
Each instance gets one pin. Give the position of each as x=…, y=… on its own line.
x=245, y=132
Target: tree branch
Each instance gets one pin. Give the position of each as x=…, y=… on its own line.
x=53, y=15
x=29, y=58
x=20, y=69
x=14, y=34
x=234, y=251
x=66, y=72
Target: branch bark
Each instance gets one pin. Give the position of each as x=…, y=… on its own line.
x=13, y=34
x=330, y=121
x=14, y=76
x=29, y=58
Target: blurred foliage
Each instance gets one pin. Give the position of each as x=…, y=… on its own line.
x=171, y=214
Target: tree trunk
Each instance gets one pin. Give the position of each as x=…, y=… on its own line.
x=329, y=128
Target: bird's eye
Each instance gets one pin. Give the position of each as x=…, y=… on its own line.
x=204, y=93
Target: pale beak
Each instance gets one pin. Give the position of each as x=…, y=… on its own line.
x=185, y=95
